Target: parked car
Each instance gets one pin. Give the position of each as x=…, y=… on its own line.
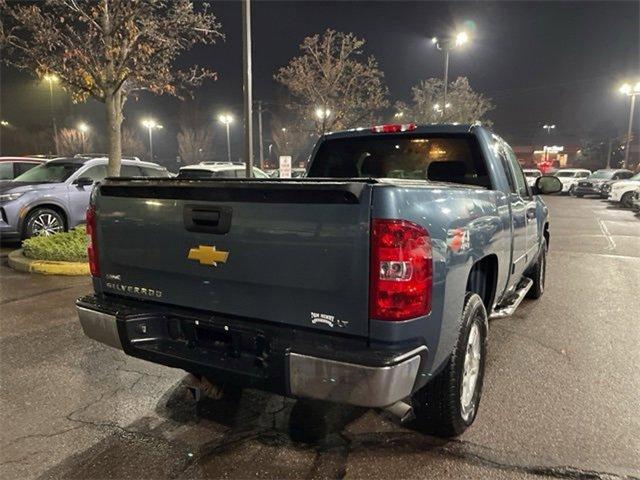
x=593, y=184
x=89, y=156
x=296, y=172
x=218, y=170
x=361, y=289
x=54, y=196
x=570, y=177
x=12, y=167
x=622, y=190
x=532, y=175
x=635, y=203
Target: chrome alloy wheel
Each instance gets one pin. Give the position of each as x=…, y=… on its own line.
x=470, y=373
x=46, y=224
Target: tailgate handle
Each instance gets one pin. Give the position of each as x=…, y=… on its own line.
x=202, y=218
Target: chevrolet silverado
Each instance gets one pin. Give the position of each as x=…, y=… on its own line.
x=369, y=282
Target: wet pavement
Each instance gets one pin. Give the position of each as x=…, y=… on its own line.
x=560, y=397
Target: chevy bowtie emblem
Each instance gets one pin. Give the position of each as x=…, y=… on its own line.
x=207, y=255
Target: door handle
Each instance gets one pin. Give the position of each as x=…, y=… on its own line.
x=207, y=219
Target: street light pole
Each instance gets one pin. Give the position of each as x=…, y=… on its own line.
x=226, y=120
x=632, y=92
x=83, y=127
x=228, y=143
x=50, y=78
x=261, y=144
x=248, y=89
x=151, y=124
x=445, y=46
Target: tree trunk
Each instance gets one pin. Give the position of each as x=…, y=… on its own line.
x=114, y=123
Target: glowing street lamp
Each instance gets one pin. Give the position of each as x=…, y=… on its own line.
x=438, y=108
x=323, y=114
x=633, y=92
x=226, y=119
x=84, y=128
x=52, y=78
x=4, y=123
x=446, y=45
x=548, y=128
x=150, y=124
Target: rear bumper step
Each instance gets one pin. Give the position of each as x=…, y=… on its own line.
x=256, y=358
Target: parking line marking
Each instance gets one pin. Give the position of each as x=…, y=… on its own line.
x=605, y=232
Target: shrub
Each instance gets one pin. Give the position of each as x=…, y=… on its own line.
x=68, y=246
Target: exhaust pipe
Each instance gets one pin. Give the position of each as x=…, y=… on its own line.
x=401, y=410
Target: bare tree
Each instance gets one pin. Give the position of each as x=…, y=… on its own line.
x=72, y=141
x=463, y=104
x=132, y=144
x=195, y=138
x=108, y=49
x=332, y=86
x=291, y=138
x=195, y=143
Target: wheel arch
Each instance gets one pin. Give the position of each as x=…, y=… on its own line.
x=53, y=206
x=483, y=279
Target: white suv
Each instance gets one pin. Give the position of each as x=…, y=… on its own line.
x=570, y=176
x=622, y=191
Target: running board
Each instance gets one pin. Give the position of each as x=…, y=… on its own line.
x=514, y=300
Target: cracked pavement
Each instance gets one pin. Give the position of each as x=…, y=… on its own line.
x=560, y=397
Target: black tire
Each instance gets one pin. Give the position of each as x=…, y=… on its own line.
x=438, y=405
x=579, y=195
x=43, y=221
x=538, y=273
x=627, y=200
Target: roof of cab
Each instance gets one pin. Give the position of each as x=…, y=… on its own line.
x=426, y=129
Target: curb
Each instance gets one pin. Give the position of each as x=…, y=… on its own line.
x=19, y=262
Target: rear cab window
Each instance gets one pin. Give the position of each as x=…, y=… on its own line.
x=452, y=158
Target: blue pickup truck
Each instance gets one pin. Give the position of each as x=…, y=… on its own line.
x=369, y=282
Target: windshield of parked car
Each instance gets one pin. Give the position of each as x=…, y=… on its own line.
x=602, y=174
x=446, y=158
x=50, y=172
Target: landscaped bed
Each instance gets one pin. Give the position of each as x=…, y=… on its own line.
x=60, y=254
x=68, y=246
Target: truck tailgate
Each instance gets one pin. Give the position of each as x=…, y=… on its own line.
x=296, y=252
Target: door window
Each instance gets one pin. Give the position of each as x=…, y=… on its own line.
x=518, y=175
x=96, y=173
x=130, y=171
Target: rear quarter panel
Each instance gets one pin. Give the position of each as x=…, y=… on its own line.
x=481, y=221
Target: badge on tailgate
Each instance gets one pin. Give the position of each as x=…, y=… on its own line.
x=208, y=255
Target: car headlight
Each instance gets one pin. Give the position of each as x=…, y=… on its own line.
x=8, y=197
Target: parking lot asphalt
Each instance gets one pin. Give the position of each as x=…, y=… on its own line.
x=560, y=399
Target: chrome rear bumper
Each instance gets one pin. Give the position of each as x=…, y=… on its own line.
x=308, y=376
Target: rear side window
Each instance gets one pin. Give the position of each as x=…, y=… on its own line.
x=6, y=171
x=444, y=158
x=96, y=173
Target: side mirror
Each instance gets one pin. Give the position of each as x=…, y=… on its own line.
x=547, y=184
x=83, y=181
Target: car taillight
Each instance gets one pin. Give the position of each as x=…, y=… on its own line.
x=92, y=249
x=394, y=128
x=401, y=270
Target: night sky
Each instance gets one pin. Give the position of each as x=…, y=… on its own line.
x=540, y=62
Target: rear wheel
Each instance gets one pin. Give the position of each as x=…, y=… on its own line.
x=448, y=404
x=43, y=222
x=627, y=200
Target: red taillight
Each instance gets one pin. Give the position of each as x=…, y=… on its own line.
x=401, y=270
x=393, y=128
x=92, y=249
